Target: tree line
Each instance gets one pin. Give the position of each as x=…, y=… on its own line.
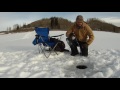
x=100, y=25
x=58, y=23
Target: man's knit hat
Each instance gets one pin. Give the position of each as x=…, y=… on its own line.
x=79, y=18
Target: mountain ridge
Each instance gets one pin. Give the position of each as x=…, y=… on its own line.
x=59, y=23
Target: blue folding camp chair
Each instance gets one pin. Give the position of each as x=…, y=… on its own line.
x=42, y=39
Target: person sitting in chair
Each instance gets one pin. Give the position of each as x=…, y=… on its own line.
x=80, y=34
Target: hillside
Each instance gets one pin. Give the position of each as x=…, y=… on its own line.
x=47, y=22
x=99, y=25
x=58, y=23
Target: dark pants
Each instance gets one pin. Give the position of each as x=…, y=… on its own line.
x=73, y=45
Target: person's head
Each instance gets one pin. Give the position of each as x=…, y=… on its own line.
x=79, y=20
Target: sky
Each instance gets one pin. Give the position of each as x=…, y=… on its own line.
x=8, y=19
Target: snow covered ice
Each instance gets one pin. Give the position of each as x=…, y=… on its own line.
x=19, y=58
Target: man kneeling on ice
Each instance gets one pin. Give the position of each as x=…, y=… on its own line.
x=81, y=35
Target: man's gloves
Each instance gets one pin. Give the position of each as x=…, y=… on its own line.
x=84, y=45
x=72, y=36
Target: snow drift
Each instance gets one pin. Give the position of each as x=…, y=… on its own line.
x=20, y=59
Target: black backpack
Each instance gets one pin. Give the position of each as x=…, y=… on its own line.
x=61, y=45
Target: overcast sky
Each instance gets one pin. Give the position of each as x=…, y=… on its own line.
x=8, y=19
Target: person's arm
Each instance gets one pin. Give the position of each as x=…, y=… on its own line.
x=68, y=32
x=91, y=35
